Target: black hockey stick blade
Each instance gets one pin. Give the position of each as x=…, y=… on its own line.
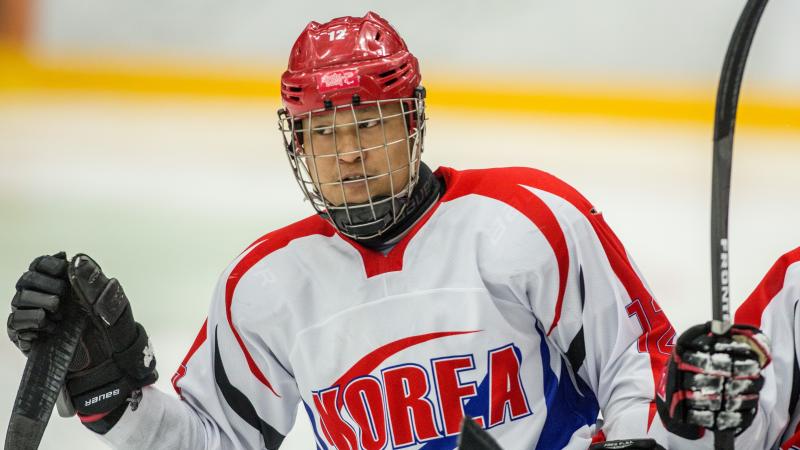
x=724, y=123
x=43, y=378
x=473, y=437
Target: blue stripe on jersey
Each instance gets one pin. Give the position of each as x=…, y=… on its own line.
x=568, y=408
x=320, y=442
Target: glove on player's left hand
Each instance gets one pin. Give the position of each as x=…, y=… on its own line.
x=713, y=381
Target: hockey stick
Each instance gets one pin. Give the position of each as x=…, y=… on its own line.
x=724, y=122
x=473, y=437
x=43, y=378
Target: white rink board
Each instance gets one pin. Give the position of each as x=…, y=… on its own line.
x=164, y=194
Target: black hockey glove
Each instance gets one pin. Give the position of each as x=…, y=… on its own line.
x=34, y=308
x=713, y=381
x=627, y=444
x=113, y=360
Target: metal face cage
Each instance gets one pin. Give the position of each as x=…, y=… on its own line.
x=357, y=163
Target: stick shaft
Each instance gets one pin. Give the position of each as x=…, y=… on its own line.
x=42, y=380
x=724, y=124
x=723, y=440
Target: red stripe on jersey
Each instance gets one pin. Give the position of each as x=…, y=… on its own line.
x=793, y=442
x=198, y=341
x=493, y=183
x=269, y=243
x=613, y=248
x=622, y=267
x=753, y=308
x=373, y=359
x=376, y=263
x=257, y=242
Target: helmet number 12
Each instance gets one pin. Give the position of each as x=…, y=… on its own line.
x=337, y=35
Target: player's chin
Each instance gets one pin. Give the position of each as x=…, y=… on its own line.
x=346, y=195
x=356, y=193
x=361, y=192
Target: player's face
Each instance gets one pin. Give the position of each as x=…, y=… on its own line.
x=352, y=158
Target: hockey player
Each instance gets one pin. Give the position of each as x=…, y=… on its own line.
x=768, y=384
x=772, y=307
x=412, y=297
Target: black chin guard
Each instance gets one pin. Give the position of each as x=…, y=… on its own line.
x=362, y=223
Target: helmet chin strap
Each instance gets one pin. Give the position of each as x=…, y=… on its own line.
x=362, y=222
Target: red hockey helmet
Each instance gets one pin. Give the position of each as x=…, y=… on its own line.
x=332, y=62
x=340, y=67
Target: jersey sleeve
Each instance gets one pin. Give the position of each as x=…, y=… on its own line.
x=234, y=393
x=608, y=312
x=773, y=307
x=597, y=310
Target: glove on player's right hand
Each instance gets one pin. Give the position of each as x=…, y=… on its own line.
x=713, y=381
x=113, y=358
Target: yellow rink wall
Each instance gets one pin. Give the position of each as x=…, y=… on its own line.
x=21, y=72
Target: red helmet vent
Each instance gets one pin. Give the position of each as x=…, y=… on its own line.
x=291, y=92
x=392, y=76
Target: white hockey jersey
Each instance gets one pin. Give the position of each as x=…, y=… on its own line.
x=773, y=307
x=510, y=301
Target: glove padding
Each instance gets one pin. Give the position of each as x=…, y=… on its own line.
x=114, y=357
x=34, y=308
x=713, y=381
